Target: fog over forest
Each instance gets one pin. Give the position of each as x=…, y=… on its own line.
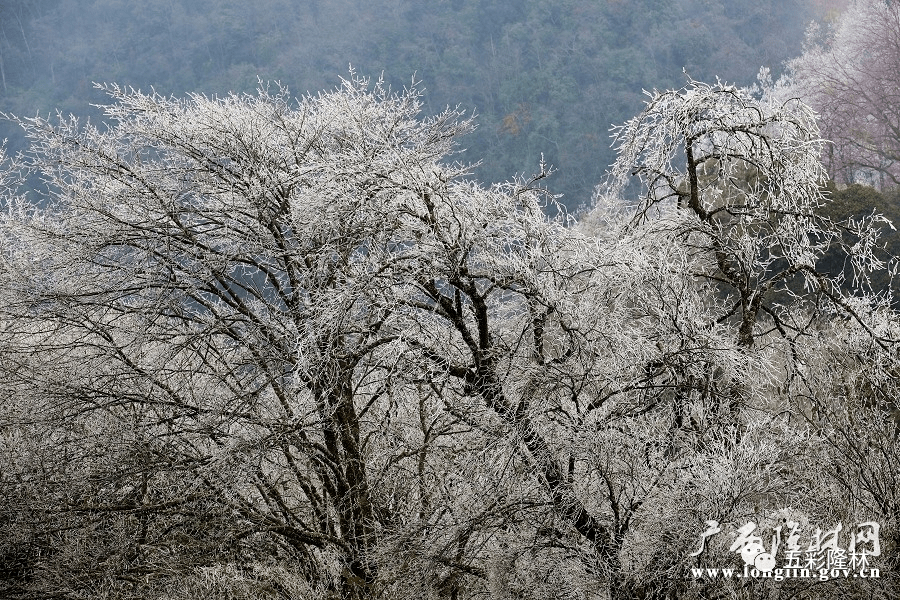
x=543, y=76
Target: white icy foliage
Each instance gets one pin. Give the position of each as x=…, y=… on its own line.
x=743, y=169
x=849, y=74
x=313, y=332
x=332, y=336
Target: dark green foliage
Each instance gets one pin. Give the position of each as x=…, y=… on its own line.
x=856, y=202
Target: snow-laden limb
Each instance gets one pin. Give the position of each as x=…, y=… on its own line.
x=738, y=179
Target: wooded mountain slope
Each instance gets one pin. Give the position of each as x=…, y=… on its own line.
x=544, y=76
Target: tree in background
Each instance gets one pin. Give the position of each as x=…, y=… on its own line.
x=849, y=74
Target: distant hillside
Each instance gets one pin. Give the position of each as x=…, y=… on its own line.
x=544, y=77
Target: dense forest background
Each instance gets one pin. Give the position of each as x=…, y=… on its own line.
x=545, y=77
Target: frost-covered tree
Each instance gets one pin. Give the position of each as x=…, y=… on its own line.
x=739, y=182
x=285, y=347
x=292, y=331
x=220, y=276
x=732, y=182
x=849, y=75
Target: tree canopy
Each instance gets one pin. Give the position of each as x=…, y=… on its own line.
x=256, y=346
